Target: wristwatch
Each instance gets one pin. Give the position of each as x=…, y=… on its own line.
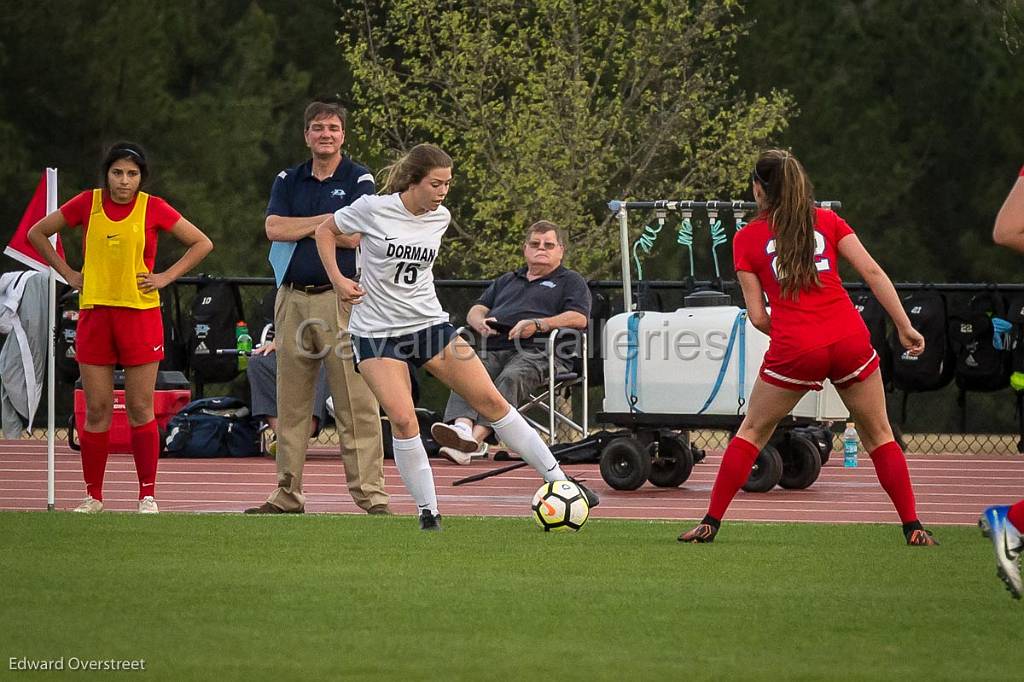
x=537, y=324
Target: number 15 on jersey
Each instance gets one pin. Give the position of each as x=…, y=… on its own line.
x=406, y=272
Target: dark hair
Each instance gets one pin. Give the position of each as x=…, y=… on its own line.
x=130, y=151
x=317, y=110
x=415, y=165
x=543, y=227
x=789, y=208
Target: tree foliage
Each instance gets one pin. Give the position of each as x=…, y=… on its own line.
x=209, y=88
x=551, y=108
x=910, y=113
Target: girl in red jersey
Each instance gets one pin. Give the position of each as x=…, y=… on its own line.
x=119, y=322
x=789, y=254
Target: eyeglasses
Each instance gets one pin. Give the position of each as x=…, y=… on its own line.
x=547, y=246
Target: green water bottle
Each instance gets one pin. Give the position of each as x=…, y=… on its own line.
x=243, y=344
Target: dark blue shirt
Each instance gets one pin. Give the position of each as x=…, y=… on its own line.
x=298, y=194
x=512, y=297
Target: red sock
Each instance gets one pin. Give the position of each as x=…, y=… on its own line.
x=94, y=460
x=146, y=451
x=892, y=472
x=1016, y=516
x=732, y=474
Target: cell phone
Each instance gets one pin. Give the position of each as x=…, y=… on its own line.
x=499, y=327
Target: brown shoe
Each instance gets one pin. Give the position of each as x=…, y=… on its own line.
x=379, y=509
x=267, y=508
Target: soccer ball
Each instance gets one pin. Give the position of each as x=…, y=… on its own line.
x=560, y=506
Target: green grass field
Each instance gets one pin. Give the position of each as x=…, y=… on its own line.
x=356, y=597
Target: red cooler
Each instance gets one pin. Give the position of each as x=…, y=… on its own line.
x=173, y=392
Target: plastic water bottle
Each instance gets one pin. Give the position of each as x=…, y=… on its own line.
x=851, y=445
x=243, y=344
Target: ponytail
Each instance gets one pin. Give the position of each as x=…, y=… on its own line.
x=412, y=167
x=789, y=208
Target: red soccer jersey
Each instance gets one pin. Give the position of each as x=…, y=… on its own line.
x=819, y=316
x=159, y=215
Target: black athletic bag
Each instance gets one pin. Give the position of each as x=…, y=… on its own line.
x=982, y=350
x=213, y=427
x=1015, y=316
x=65, y=360
x=875, y=317
x=216, y=310
x=175, y=344
x=932, y=369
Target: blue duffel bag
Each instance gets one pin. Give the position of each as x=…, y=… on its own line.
x=213, y=427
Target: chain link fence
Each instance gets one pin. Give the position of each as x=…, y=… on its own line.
x=934, y=422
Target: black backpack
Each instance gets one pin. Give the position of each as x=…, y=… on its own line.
x=175, y=343
x=932, y=369
x=980, y=364
x=65, y=360
x=216, y=310
x=261, y=320
x=213, y=427
x=875, y=319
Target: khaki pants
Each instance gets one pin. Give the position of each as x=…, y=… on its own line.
x=307, y=333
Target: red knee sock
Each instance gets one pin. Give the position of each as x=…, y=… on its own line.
x=1016, y=516
x=732, y=474
x=94, y=460
x=146, y=451
x=892, y=472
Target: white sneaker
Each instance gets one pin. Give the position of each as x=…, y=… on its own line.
x=147, y=505
x=460, y=457
x=89, y=505
x=457, y=437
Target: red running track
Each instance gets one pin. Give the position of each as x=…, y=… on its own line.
x=951, y=489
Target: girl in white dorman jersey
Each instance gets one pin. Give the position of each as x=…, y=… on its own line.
x=397, y=319
x=398, y=253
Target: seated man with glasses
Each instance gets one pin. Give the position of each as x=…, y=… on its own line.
x=511, y=323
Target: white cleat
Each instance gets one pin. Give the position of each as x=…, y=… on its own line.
x=147, y=505
x=89, y=505
x=1008, y=545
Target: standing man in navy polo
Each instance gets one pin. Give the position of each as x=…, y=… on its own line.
x=310, y=326
x=512, y=318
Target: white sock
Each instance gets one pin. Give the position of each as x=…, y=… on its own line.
x=513, y=430
x=414, y=468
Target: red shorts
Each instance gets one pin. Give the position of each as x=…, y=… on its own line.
x=845, y=362
x=108, y=335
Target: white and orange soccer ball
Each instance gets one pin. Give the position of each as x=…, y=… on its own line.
x=560, y=506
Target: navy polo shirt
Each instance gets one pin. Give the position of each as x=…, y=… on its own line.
x=297, y=193
x=512, y=297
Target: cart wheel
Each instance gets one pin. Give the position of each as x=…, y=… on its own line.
x=625, y=464
x=766, y=472
x=674, y=463
x=801, y=462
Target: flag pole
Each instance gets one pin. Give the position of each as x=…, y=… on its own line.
x=51, y=365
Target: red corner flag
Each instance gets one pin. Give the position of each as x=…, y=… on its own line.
x=19, y=249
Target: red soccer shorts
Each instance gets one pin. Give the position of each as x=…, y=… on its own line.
x=109, y=335
x=845, y=362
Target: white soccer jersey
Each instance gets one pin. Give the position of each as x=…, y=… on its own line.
x=398, y=254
